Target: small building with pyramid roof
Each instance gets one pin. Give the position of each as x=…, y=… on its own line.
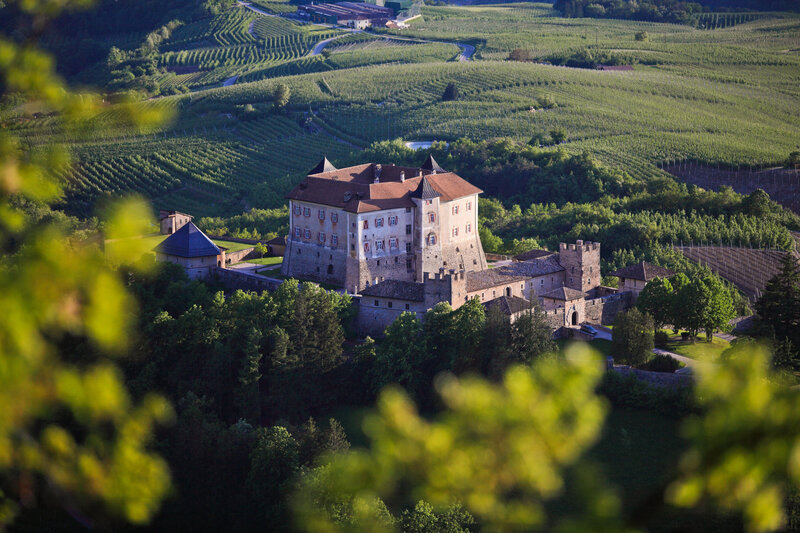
x=193, y=250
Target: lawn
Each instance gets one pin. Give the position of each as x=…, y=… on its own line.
x=601, y=345
x=699, y=348
x=231, y=246
x=277, y=260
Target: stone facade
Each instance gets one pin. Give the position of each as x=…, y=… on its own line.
x=172, y=221
x=581, y=262
x=359, y=226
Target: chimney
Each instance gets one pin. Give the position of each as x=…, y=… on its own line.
x=377, y=173
x=402, y=176
x=434, y=171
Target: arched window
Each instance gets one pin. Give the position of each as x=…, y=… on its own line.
x=431, y=217
x=431, y=239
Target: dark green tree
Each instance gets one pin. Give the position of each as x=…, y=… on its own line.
x=778, y=309
x=632, y=341
x=531, y=337
x=450, y=92
x=657, y=300
x=423, y=518
x=273, y=463
x=280, y=96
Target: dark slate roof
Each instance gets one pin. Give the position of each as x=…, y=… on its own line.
x=509, y=306
x=425, y=190
x=486, y=279
x=188, y=241
x=564, y=293
x=400, y=290
x=277, y=240
x=536, y=267
x=323, y=166
x=643, y=271
x=533, y=254
x=431, y=164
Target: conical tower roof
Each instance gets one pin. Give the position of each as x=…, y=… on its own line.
x=188, y=241
x=431, y=164
x=425, y=190
x=323, y=166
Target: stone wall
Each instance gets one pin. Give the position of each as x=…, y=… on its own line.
x=232, y=258
x=312, y=261
x=604, y=310
x=233, y=280
x=373, y=319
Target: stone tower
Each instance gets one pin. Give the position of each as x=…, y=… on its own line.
x=428, y=235
x=581, y=262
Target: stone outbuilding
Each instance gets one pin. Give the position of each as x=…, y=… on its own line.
x=193, y=250
x=571, y=300
x=276, y=246
x=511, y=306
x=633, y=278
x=172, y=221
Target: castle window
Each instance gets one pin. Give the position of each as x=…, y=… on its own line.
x=431, y=217
x=542, y=282
x=307, y=211
x=393, y=221
x=307, y=233
x=393, y=244
x=428, y=202
x=396, y=259
x=297, y=210
x=455, y=232
x=407, y=307
x=408, y=209
x=377, y=303
x=379, y=246
x=321, y=237
x=322, y=214
x=469, y=228
x=379, y=222
x=366, y=224
x=408, y=229
x=334, y=240
x=297, y=232
x=590, y=270
x=389, y=305
x=573, y=270
x=352, y=247
x=379, y=262
x=408, y=247
x=408, y=265
x=366, y=246
x=334, y=217
x=431, y=239
x=455, y=209
x=469, y=206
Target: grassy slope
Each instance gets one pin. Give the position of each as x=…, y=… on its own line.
x=728, y=96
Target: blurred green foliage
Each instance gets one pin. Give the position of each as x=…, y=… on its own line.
x=67, y=427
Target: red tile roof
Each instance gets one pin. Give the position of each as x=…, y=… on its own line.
x=355, y=189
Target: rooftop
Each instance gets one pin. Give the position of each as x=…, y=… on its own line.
x=536, y=267
x=188, y=242
x=643, y=271
x=533, y=254
x=373, y=187
x=508, y=305
x=485, y=279
x=564, y=293
x=397, y=289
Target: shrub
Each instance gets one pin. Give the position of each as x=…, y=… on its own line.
x=662, y=363
x=642, y=36
x=661, y=338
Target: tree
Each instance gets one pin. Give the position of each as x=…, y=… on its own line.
x=632, y=341
x=690, y=306
x=778, y=309
x=718, y=309
x=656, y=299
x=67, y=425
x=273, y=463
x=531, y=336
x=280, y=96
x=261, y=249
x=425, y=519
x=520, y=54
x=450, y=92
x=642, y=36
x=558, y=135
x=794, y=160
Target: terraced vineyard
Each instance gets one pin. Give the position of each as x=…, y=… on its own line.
x=748, y=269
x=723, y=97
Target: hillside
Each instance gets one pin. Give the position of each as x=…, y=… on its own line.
x=724, y=97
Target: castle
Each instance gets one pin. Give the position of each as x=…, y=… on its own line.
x=362, y=225
x=404, y=239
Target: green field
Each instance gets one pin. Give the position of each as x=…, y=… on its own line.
x=728, y=96
x=698, y=349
